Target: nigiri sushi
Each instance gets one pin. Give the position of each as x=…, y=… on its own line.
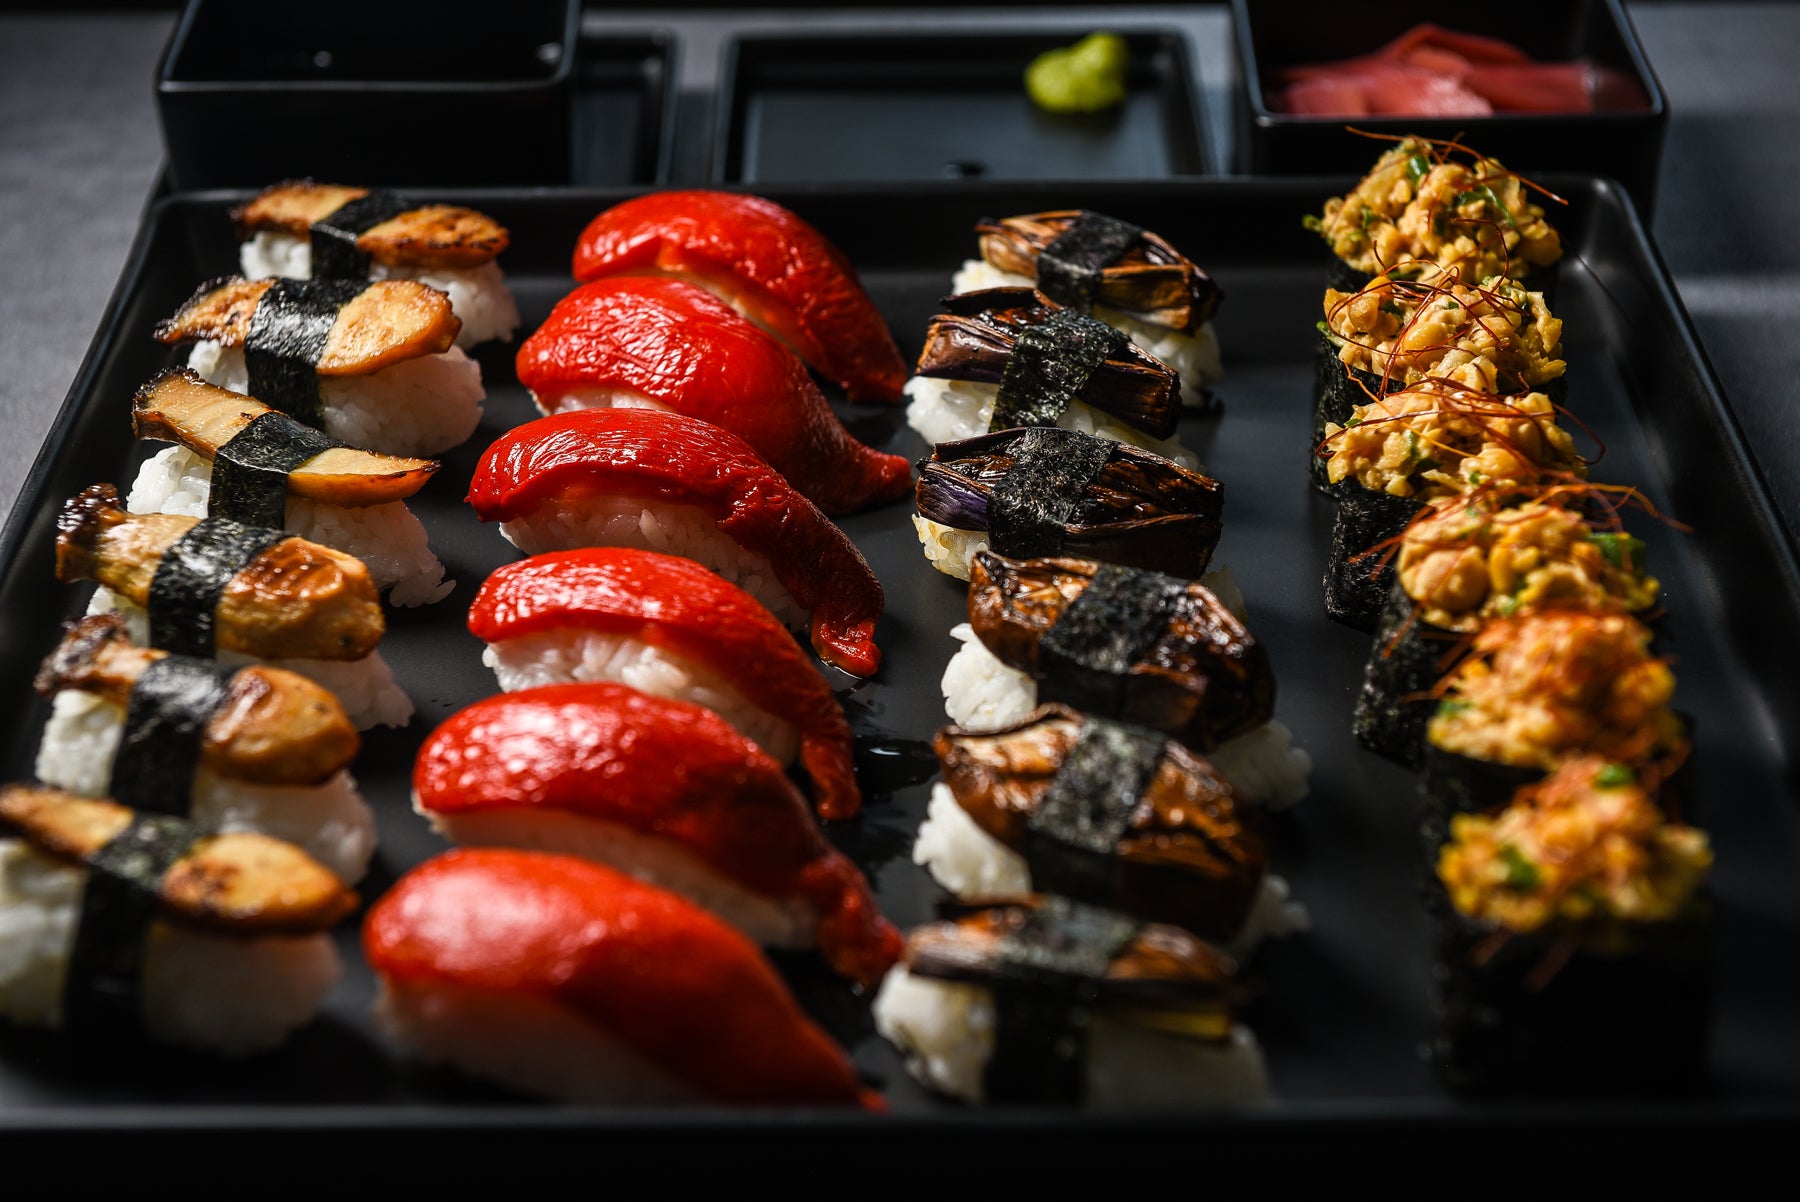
x=1045, y=1001
x=215, y=588
x=666, y=344
x=1130, y=278
x=584, y=769
x=1105, y=813
x=252, y=749
x=1039, y=490
x=669, y=627
x=763, y=261
x=640, y=478
x=278, y=473
x=306, y=230
x=1012, y=357
x=371, y=364
x=117, y=925
x=560, y=977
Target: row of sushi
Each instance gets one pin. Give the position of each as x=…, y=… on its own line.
x=1101, y=818
x=1512, y=661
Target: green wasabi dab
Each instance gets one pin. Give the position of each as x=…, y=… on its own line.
x=1083, y=78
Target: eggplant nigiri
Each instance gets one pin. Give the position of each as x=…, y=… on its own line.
x=640, y=478
x=667, y=344
x=560, y=977
x=767, y=264
x=669, y=627
x=584, y=769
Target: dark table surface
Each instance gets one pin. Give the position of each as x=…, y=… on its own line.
x=80, y=150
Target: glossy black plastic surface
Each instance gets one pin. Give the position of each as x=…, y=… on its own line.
x=1342, y=1011
x=858, y=108
x=1625, y=144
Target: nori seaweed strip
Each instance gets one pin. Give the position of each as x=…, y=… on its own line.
x=1072, y=834
x=1069, y=269
x=193, y=573
x=1032, y=503
x=1085, y=658
x=1407, y=659
x=334, y=252
x=287, y=335
x=1049, y=366
x=1356, y=589
x=103, y=986
x=1054, y=960
x=165, y=719
x=250, y=472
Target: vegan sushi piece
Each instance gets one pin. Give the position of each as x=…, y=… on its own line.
x=371, y=364
x=1043, y=1001
x=650, y=343
x=1466, y=560
x=1008, y=357
x=218, y=589
x=668, y=627
x=1041, y=490
x=664, y=482
x=1436, y=203
x=559, y=977
x=584, y=769
x=1395, y=334
x=1106, y=813
x=306, y=230
x=275, y=472
x=252, y=749
x=117, y=926
x=1129, y=277
x=1399, y=453
x=1538, y=689
x=763, y=261
x=1574, y=941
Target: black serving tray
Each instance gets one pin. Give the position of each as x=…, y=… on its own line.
x=1625, y=144
x=626, y=86
x=877, y=107
x=1342, y=1011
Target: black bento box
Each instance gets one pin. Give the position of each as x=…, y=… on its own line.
x=1272, y=34
x=454, y=92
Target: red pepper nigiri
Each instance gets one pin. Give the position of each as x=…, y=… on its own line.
x=560, y=977
x=680, y=608
x=640, y=477
x=585, y=769
x=765, y=262
x=624, y=341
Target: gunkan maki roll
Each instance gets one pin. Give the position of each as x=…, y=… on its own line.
x=1493, y=337
x=1437, y=203
x=1396, y=454
x=1536, y=690
x=1465, y=560
x=1573, y=941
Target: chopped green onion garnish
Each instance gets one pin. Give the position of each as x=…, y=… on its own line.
x=1417, y=168
x=1614, y=776
x=1620, y=550
x=1452, y=705
x=1521, y=873
x=1313, y=222
x=1475, y=477
x=1484, y=193
x=1352, y=421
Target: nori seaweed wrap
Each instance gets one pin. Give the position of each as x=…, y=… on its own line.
x=1573, y=942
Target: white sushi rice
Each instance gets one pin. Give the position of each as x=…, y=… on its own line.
x=365, y=687
x=1194, y=356
x=770, y=921
x=478, y=295
x=951, y=551
x=981, y=693
x=573, y=654
x=330, y=821
x=684, y=530
x=215, y=993
x=972, y=864
x=946, y=1031
x=535, y=1045
x=947, y=410
x=575, y=399
x=388, y=538
x=420, y=406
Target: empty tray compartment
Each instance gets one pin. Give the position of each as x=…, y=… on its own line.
x=625, y=89
x=883, y=107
